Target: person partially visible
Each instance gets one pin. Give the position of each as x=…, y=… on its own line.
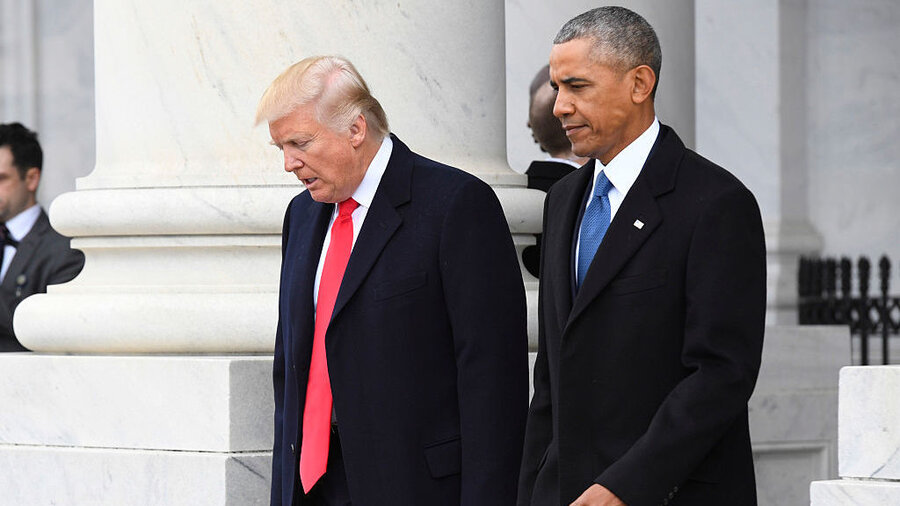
x=33, y=255
x=548, y=133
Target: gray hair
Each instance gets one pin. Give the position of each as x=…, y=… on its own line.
x=620, y=37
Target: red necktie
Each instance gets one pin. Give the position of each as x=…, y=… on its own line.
x=317, y=411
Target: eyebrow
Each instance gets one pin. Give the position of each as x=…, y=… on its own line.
x=574, y=80
x=569, y=81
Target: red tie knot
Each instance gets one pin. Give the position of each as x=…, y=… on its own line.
x=346, y=208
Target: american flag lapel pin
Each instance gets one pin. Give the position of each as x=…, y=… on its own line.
x=638, y=224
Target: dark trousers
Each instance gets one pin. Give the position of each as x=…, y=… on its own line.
x=331, y=489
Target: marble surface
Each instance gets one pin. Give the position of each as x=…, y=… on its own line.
x=853, y=125
x=188, y=76
x=751, y=120
x=44, y=476
x=854, y=493
x=213, y=404
x=870, y=422
x=793, y=411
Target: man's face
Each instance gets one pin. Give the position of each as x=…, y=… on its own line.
x=326, y=162
x=16, y=194
x=594, y=102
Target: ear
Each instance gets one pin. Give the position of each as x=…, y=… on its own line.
x=643, y=82
x=32, y=178
x=358, y=130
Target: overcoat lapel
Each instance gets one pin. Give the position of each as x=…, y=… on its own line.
x=382, y=221
x=621, y=242
x=559, y=253
x=310, y=229
x=26, y=249
x=637, y=218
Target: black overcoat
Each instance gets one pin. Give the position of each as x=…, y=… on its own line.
x=642, y=377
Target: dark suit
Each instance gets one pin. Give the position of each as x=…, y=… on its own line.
x=643, y=376
x=541, y=176
x=426, y=348
x=42, y=258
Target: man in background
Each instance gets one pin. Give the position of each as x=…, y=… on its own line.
x=548, y=133
x=550, y=136
x=33, y=255
x=400, y=355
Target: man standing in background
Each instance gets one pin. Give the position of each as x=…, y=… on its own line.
x=33, y=255
x=550, y=136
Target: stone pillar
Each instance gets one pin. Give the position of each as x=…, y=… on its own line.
x=180, y=224
x=751, y=119
x=180, y=220
x=868, y=440
x=18, y=69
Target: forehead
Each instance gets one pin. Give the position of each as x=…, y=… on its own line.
x=297, y=123
x=6, y=157
x=574, y=53
x=578, y=58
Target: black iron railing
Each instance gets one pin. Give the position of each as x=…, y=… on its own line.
x=827, y=298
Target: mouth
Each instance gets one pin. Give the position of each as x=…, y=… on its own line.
x=572, y=129
x=308, y=181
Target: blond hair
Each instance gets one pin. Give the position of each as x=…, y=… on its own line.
x=333, y=84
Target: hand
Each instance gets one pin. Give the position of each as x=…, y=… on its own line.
x=597, y=495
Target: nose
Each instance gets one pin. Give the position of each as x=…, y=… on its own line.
x=292, y=159
x=563, y=105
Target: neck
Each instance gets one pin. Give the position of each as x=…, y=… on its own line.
x=368, y=149
x=642, y=121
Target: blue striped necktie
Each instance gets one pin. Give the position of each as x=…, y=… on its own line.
x=593, y=225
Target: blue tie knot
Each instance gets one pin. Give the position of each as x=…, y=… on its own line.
x=601, y=188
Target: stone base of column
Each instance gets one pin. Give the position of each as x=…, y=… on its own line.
x=848, y=492
x=40, y=475
x=793, y=425
x=868, y=438
x=135, y=429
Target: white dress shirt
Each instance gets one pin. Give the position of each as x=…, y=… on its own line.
x=622, y=171
x=563, y=160
x=363, y=195
x=19, y=226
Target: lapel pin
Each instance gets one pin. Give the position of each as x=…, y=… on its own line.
x=638, y=224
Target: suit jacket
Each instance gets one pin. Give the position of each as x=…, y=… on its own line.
x=541, y=176
x=543, y=173
x=42, y=258
x=427, y=347
x=643, y=376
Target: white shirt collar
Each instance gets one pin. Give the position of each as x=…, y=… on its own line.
x=563, y=160
x=624, y=168
x=365, y=192
x=20, y=224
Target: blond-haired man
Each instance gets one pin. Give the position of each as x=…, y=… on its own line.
x=400, y=357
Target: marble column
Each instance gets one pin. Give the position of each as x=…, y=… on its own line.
x=179, y=220
x=751, y=119
x=18, y=68
x=180, y=225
